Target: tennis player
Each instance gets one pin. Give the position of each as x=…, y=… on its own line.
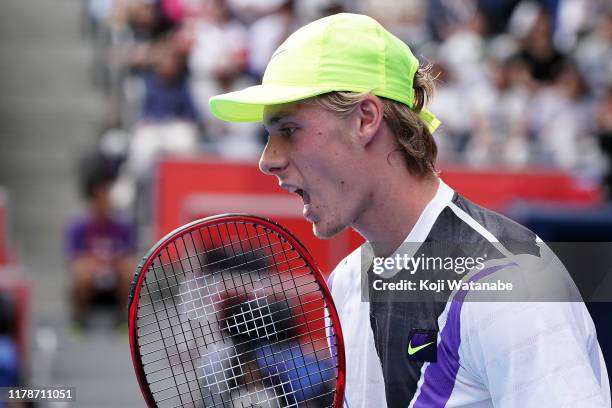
x=344, y=103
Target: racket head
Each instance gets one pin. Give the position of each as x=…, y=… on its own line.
x=259, y=315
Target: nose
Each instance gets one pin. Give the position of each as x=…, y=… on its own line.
x=274, y=157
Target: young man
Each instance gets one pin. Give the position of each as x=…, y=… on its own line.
x=343, y=102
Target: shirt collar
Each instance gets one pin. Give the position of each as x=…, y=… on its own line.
x=424, y=224
x=430, y=213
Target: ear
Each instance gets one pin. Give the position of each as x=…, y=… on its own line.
x=370, y=116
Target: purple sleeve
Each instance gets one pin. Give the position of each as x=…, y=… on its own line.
x=74, y=239
x=127, y=238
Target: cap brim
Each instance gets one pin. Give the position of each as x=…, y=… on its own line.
x=248, y=104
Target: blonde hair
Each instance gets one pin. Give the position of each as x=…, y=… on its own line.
x=412, y=136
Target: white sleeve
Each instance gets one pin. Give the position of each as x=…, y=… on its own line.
x=364, y=385
x=328, y=323
x=537, y=354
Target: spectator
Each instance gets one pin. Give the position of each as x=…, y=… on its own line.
x=169, y=124
x=594, y=53
x=538, y=50
x=573, y=19
x=218, y=63
x=443, y=16
x=497, y=13
x=100, y=250
x=451, y=106
x=219, y=53
x=267, y=33
x=167, y=95
x=560, y=122
x=135, y=27
x=407, y=19
x=144, y=20
x=463, y=51
x=500, y=129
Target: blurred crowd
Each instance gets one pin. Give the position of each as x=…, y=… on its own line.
x=525, y=83
x=520, y=82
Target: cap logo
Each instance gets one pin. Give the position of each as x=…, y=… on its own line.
x=277, y=52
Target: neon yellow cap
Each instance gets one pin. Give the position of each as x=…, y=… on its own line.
x=343, y=52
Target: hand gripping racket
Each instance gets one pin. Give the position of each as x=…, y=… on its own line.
x=231, y=311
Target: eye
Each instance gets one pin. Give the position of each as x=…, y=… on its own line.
x=288, y=131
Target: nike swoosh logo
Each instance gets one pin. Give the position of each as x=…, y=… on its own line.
x=412, y=350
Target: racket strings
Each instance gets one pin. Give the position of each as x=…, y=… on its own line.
x=293, y=269
x=238, y=344
x=294, y=347
x=224, y=370
x=230, y=347
x=297, y=296
x=251, y=403
x=194, y=339
x=269, y=388
x=173, y=378
x=261, y=269
x=272, y=284
x=293, y=290
x=162, y=266
x=240, y=308
x=305, y=323
x=255, y=381
x=286, y=262
x=223, y=247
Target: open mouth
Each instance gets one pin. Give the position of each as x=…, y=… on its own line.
x=304, y=195
x=299, y=191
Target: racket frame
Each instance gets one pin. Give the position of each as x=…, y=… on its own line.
x=152, y=254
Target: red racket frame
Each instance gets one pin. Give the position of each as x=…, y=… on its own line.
x=149, y=258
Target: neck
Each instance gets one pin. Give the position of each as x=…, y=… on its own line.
x=394, y=210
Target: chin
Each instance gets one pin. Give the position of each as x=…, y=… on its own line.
x=325, y=231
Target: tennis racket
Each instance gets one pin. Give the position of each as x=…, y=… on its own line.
x=231, y=311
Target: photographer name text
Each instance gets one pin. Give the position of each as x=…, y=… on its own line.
x=440, y=285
